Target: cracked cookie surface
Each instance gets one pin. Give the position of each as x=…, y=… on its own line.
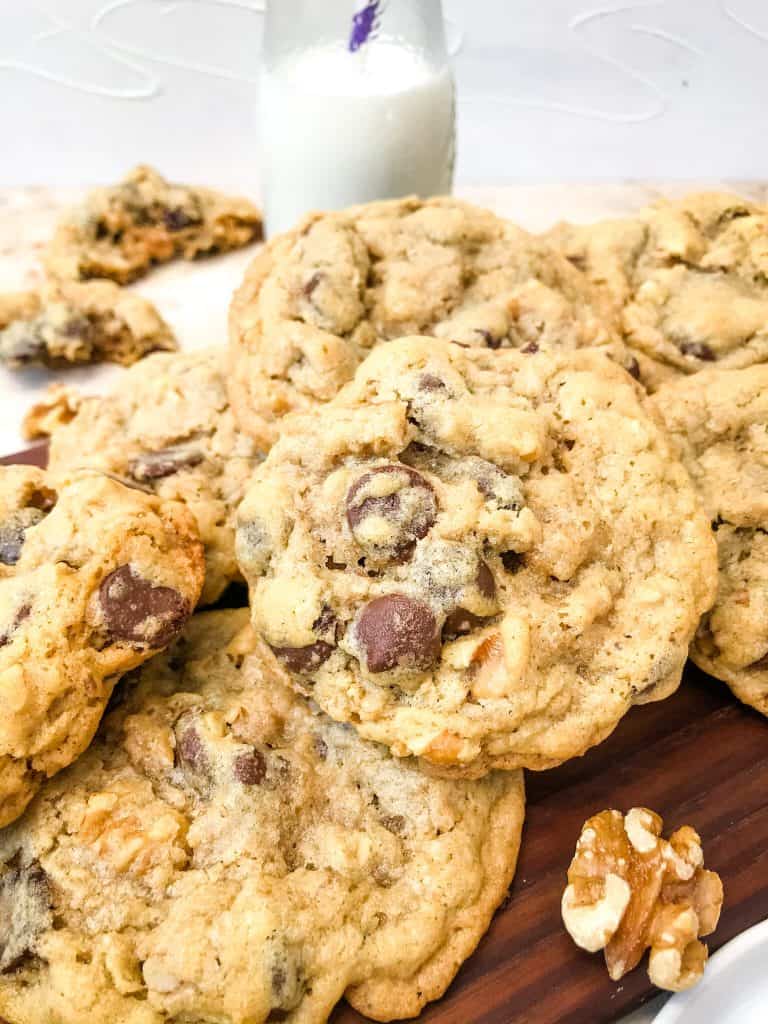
x=719, y=418
x=480, y=558
x=94, y=578
x=688, y=280
x=120, y=231
x=225, y=852
x=167, y=427
x=74, y=322
x=317, y=299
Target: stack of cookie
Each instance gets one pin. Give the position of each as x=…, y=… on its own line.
x=472, y=541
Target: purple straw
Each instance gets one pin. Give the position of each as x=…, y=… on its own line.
x=365, y=24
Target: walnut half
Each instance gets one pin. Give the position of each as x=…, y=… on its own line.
x=630, y=890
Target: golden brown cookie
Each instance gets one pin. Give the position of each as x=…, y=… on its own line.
x=482, y=558
x=226, y=852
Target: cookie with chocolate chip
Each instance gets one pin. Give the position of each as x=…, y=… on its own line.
x=480, y=558
x=224, y=851
x=71, y=323
x=316, y=300
x=688, y=281
x=719, y=418
x=120, y=231
x=94, y=578
x=167, y=428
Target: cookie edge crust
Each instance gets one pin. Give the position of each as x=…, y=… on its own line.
x=385, y=999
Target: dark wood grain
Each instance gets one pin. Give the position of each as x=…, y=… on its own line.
x=699, y=758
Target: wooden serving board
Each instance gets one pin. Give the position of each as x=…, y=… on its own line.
x=699, y=758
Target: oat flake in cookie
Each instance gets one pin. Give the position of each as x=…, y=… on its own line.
x=168, y=428
x=224, y=852
x=94, y=578
x=688, y=281
x=316, y=300
x=719, y=418
x=121, y=230
x=481, y=558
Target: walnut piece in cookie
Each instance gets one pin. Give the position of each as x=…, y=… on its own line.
x=71, y=323
x=687, y=279
x=479, y=557
x=95, y=577
x=120, y=231
x=168, y=428
x=225, y=852
x=630, y=890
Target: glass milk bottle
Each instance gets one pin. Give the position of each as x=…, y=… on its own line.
x=356, y=104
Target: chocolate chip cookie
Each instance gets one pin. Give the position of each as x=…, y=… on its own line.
x=226, y=852
x=120, y=231
x=94, y=578
x=480, y=558
x=720, y=420
x=317, y=299
x=167, y=427
x=688, y=280
x=79, y=323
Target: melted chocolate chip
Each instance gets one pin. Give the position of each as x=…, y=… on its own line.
x=177, y=219
x=137, y=611
x=460, y=620
x=396, y=631
x=304, y=660
x=408, y=508
x=394, y=823
x=633, y=368
x=25, y=912
x=430, y=382
x=311, y=284
x=21, y=614
x=250, y=768
x=13, y=533
x=512, y=561
x=489, y=339
x=530, y=349
x=190, y=752
x=699, y=350
x=162, y=463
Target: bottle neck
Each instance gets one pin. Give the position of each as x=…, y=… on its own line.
x=354, y=26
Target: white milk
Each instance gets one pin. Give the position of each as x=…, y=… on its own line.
x=339, y=128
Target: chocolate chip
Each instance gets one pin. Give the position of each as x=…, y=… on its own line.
x=530, y=349
x=13, y=533
x=177, y=219
x=304, y=660
x=699, y=350
x=250, y=768
x=398, y=500
x=276, y=1014
x=190, y=752
x=164, y=462
x=486, y=584
x=139, y=612
x=489, y=339
x=21, y=614
x=311, y=284
x=460, y=620
x=512, y=561
x=396, y=631
x=633, y=368
x=430, y=382
x=25, y=912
